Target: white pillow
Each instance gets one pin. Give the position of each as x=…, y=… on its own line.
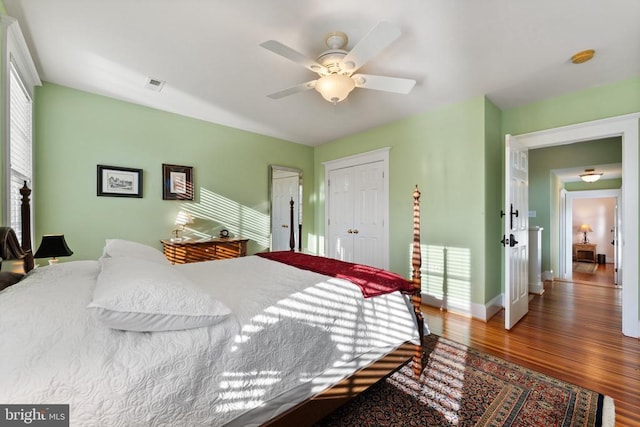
x=117, y=248
x=140, y=295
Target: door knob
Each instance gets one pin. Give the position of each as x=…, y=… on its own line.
x=349, y=231
x=355, y=231
x=511, y=241
x=284, y=226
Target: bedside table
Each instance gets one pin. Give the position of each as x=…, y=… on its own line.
x=186, y=251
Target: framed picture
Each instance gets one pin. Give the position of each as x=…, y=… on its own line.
x=177, y=182
x=114, y=181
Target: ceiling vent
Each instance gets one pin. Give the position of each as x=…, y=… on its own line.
x=154, y=84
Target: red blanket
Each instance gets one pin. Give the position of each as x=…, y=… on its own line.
x=372, y=281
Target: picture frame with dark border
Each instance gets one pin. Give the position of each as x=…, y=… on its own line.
x=177, y=182
x=117, y=181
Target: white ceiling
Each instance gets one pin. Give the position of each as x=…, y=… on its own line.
x=514, y=51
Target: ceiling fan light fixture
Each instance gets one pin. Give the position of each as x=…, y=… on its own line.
x=335, y=87
x=590, y=176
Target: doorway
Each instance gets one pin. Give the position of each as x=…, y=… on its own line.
x=285, y=188
x=627, y=128
x=598, y=211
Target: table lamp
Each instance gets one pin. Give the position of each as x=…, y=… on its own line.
x=182, y=219
x=584, y=228
x=53, y=245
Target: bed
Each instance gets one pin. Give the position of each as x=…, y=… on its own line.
x=129, y=339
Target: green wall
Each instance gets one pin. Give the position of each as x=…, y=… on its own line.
x=442, y=151
x=602, y=184
x=544, y=189
x=494, y=175
x=75, y=131
x=453, y=153
x=590, y=104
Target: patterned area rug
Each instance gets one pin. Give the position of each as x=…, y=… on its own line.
x=464, y=387
x=585, y=267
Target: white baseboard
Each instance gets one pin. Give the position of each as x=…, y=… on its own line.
x=482, y=312
x=536, y=288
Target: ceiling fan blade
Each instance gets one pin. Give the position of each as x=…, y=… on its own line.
x=375, y=41
x=294, y=89
x=293, y=55
x=383, y=83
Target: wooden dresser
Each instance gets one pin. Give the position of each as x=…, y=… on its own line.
x=585, y=252
x=186, y=251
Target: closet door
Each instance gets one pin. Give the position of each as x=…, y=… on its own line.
x=357, y=213
x=368, y=214
x=340, y=204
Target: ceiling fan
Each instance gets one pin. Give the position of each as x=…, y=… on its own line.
x=336, y=66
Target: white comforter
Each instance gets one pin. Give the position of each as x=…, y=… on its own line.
x=292, y=334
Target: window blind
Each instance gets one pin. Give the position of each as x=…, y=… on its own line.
x=20, y=144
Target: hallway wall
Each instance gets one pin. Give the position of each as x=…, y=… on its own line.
x=599, y=214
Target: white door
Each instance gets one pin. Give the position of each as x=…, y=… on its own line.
x=283, y=190
x=357, y=214
x=368, y=218
x=340, y=209
x=515, y=240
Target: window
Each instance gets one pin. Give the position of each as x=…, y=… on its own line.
x=19, y=76
x=20, y=146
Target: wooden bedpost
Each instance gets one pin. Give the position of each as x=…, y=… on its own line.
x=25, y=217
x=416, y=298
x=292, y=237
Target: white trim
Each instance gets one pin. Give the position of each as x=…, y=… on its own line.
x=482, y=312
x=625, y=126
x=380, y=155
x=15, y=47
x=489, y=309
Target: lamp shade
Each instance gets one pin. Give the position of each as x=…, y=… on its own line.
x=53, y=245
x=184, y=218
x=335, y=87
x=585, y=228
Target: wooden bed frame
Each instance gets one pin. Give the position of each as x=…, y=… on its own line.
x=321, y=405
x=12, y=249
x=317, y=407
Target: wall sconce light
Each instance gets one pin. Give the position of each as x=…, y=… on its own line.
x=590, y=176
x=584, y=229
x=53, y=245
x=182, y=219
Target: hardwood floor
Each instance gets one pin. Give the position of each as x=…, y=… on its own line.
x=572, y=332
x=604, y=274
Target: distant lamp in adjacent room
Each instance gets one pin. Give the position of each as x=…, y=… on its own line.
x=584, y=229
x=182, y=219
x=590, y=175
x=53, y=246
